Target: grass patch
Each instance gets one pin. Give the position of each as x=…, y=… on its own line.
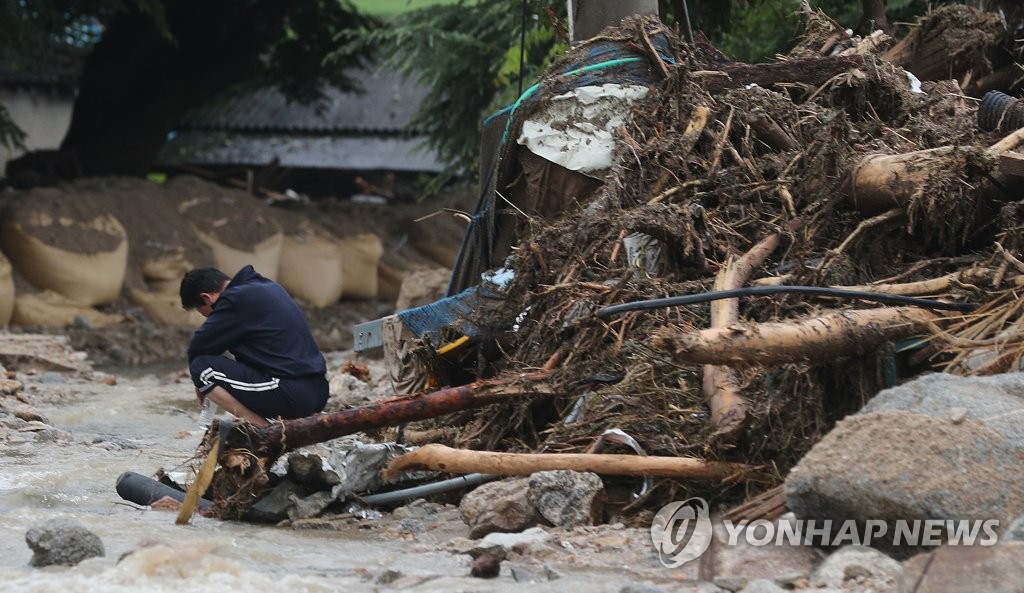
x=388, y=8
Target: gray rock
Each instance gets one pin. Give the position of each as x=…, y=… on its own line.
x=62, y=542
x=730, y=582
x=742, y=560
x=524, y=575
x=762, y=586
x=387, y=577
x=310, y=506
x=958, y=569
x=52, y=378
x=417, y=509
x=996, y=401
x=501, y=506
x=1015, y=532
x=567, y=498
x=640, y=588
x=500, y=545
x=866, y=567
x=895, y=465
x=311, y=471
x=273, y=507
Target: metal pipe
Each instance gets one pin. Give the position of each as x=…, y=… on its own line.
x=428, y=489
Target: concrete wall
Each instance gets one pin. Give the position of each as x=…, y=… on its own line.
x=43, y=115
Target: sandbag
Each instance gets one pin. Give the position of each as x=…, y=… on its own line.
x=311, y=267
x=164, y=308
x=265, y=256
x=163, y=275
x=34, y=242
x=50, y=309
x=6, y=291
x=360, y=255
x=238, y=231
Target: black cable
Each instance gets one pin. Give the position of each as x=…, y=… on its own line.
x=689, y=299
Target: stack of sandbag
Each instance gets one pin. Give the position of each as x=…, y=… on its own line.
x=76, y=252
x=6, y=291
x=163, y=245
x=311, y=265
x=238, y=230
x=360, y=257
x=160, y=299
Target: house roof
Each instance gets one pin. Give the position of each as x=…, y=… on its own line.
x=358, y=153
x=386, y=106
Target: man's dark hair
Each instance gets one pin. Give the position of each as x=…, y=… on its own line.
x=198, y=281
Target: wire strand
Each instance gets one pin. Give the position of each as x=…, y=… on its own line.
x=703, y=297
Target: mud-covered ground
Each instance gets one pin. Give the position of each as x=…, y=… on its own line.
x=89, y=426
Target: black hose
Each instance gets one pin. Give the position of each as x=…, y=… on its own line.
x=703, y=297
x=143, y=490
x=1000, y=111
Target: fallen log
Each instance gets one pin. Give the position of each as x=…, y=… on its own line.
x=838, y=334
x=813, y=71
x=271, y=441
x=463, y=461
x=953, y=42
x=719, y=385
x=881, y=182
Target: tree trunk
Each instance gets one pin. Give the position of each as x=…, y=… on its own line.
x=873, y=17
x=812, y=71
x=588, y=17
x=816, y=339
x=271, y=441
x=137, y=84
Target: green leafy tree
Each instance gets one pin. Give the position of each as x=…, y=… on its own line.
x=151, y=61
x=474, y=56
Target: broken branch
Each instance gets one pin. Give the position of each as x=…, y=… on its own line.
x=844, y=333
x=462, y=461
x=273, y=440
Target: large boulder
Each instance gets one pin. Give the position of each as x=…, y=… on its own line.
x=996, y=401
x=895, y=465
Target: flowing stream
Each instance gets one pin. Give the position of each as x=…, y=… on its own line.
x=141, y=424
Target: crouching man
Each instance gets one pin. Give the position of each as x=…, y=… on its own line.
x=277, y=371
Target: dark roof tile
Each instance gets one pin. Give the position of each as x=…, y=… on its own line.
x=386, y=106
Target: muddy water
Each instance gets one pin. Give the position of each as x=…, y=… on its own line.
x=142, y=424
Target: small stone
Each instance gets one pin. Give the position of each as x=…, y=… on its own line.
x=486, y=567
x=762, y=586
x=957, y=415
x=62, y=542
x=730, y=583
x=640, y=588
x=387, y=577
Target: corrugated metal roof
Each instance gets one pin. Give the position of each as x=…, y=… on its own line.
x=358, y=153
x=386, y=106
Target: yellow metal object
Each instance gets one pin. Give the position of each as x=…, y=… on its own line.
x=452, y=345
x=202, y=482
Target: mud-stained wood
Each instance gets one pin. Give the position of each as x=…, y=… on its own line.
x=463, y=461
x=818, y=339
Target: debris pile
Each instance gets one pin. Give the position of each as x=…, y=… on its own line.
x=864, y=224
